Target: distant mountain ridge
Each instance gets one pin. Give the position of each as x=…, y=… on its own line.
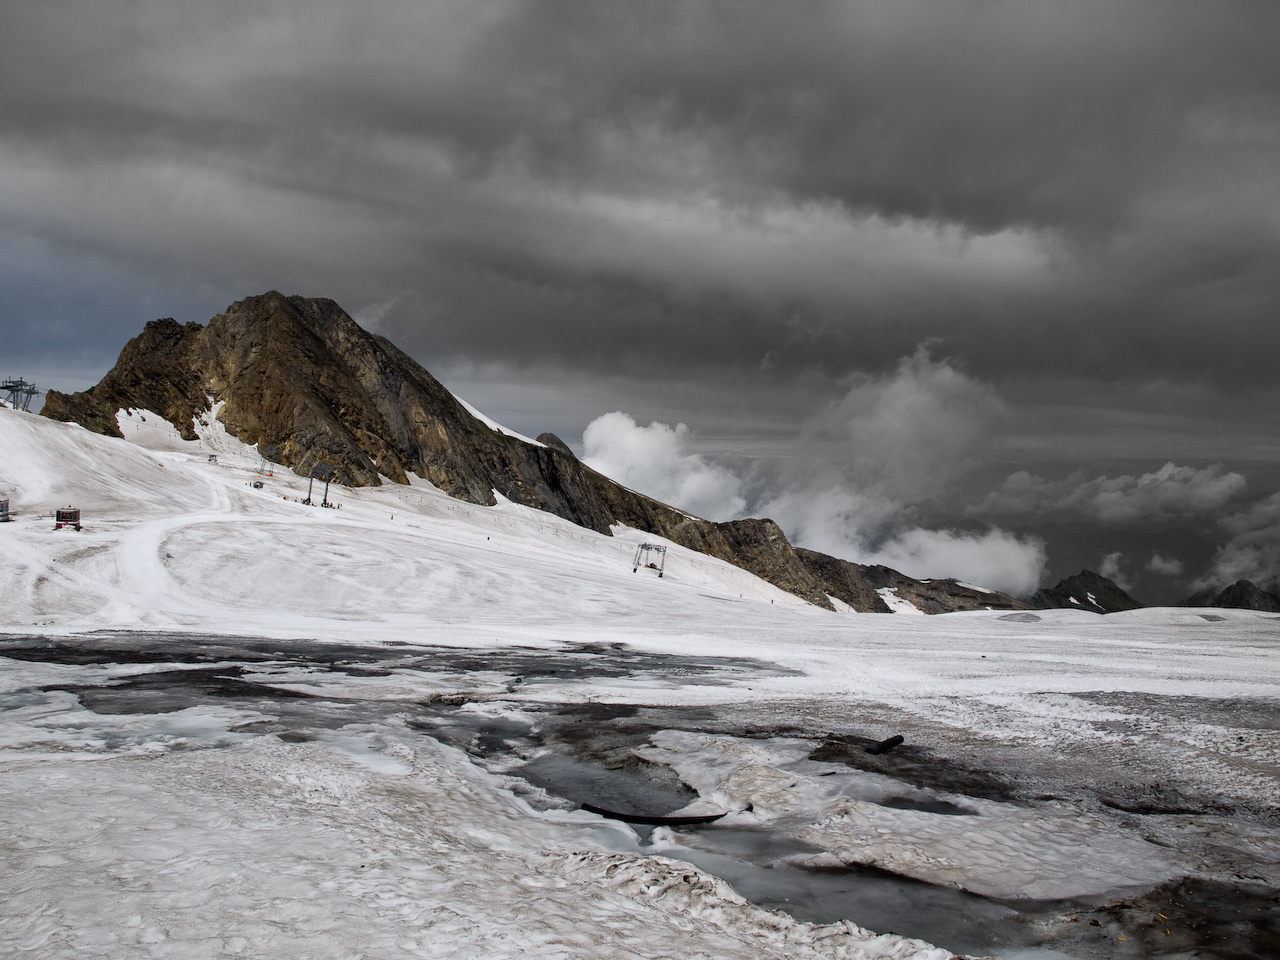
x=1085, y=590
x=864, y=586
x=299, y=375
x=1241, y=595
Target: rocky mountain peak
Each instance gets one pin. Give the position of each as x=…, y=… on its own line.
x=555, y=443
x=1241, y=595
x=298, y=375
x=1085, y=590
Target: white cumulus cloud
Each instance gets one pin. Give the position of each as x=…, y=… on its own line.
x=903, y=439
x=994, y=558
x=863, y=466
x=653, y=460
x=873, y=530
x=908, y=434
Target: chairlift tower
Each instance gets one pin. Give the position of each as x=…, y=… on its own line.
x=320, y=473
x=267, y=461
x=651, y=556
x=19, y=394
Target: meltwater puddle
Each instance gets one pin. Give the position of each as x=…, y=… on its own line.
x=595, y=766
x=582, y=753
x=756, y=863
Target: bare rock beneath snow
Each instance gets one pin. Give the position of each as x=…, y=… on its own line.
x=157, y=370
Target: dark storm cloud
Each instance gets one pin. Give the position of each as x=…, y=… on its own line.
x=987, y=114
x=806, y=229
x=1063, y=186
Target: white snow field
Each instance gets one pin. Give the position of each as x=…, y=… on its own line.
x=198, y=833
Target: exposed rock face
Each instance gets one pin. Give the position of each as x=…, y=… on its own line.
x=157, y=370
x=1085, y=591
x=859, y=584
x=551, y=440
x=299, y=376
x=1241, y=595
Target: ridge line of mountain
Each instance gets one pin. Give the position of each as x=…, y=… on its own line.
x=300, y=376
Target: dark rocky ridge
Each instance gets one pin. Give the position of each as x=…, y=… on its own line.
x=1085, y=591
x=1241, y=595
x=300, y=376
x=857, y=584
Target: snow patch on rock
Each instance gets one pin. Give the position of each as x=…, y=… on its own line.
x=494, y=425
x=896, y=603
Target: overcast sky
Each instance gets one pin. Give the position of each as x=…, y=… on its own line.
x=983, y=288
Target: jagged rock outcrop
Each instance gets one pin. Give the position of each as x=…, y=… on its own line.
x=300, y=377
x=1241, y=595
x=859, y=585
x=1085, y=591
x=555, y=443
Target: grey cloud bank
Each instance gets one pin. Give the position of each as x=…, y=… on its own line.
x=746, y=217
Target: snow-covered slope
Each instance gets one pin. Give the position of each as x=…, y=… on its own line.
x=171, y=539
x=174, y=541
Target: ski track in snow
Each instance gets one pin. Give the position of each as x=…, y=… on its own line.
x=144, y=841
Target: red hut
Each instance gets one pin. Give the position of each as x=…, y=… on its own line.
x=66, y=517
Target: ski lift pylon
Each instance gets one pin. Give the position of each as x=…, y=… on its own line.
x=651, y=556
x=18, y=394
x=267, y=460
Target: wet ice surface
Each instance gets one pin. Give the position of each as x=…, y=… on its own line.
x=791, y=779
x=761, y=867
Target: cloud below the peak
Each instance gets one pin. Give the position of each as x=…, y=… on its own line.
x=874, y=530
x=854, y=481
x=654, y=460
